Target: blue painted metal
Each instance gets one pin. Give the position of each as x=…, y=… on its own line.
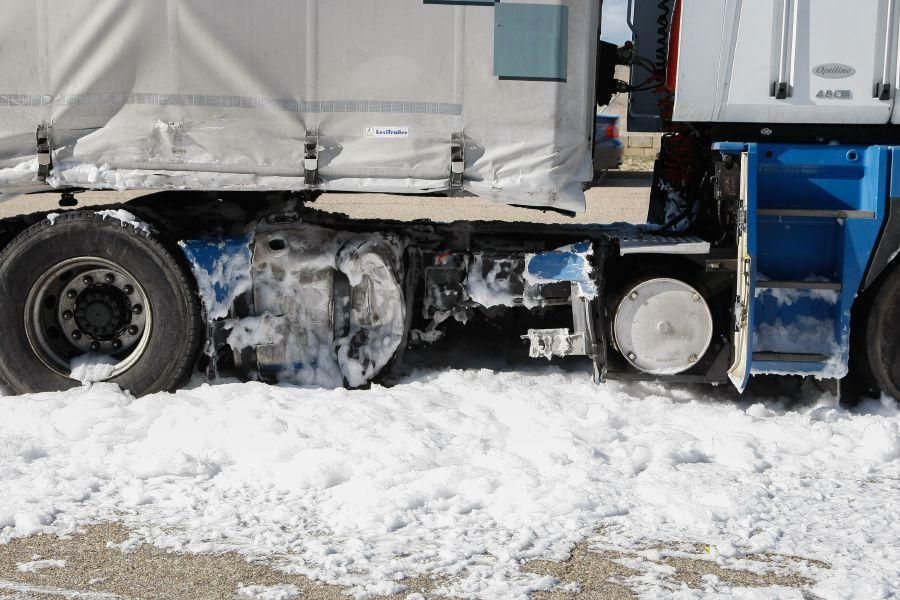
x=895, y=173
x=570, y=263
x=734, y=148
x=812, y=248
x=209, y=255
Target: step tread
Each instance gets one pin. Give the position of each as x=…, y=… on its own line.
x=816, y=213
x=799, y=285
x=646, y=243
x=789, y=357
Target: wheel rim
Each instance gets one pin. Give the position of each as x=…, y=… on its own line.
x=88, y=306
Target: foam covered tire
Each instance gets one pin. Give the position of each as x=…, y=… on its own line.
x=883, y=335
x=130, y=300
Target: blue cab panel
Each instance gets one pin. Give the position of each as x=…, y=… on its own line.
x=222, y=269
x=570, y=263
x=818, y=215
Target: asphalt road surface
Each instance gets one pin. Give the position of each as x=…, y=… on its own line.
x=92, y=566
x=623, y=198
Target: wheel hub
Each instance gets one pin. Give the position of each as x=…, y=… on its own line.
x=102, y=312
x=88, y=306
x=102, y=318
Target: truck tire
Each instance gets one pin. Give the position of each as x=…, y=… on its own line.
x=882, y=338
x=84, y=287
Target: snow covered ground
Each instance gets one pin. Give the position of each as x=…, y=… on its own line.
x=465, y=474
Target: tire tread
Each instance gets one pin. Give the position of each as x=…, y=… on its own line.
x=187, y=360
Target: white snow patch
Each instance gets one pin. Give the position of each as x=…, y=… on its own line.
x=485, y=289
x=36, y=565
x=230, y=269
x=126, y=218
x=789, y=296
x=22, y=173
x=91, y=368
x=23, y=590
x=274, y=592
x=584, y=282
x=129, y=545
x=803, y=335
x=256, y=331
x=464, y=475
x=491, y=288
x=52, y=217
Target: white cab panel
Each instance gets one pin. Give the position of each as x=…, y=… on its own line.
x=894, y=62
x=788, y=61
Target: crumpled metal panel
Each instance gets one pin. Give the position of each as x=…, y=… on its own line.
x=323, y=307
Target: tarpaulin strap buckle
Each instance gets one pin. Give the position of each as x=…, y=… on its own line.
x=311, y=158
x=457, y=160
x=44, y=156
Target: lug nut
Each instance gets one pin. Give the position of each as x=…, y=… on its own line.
x=116, y=344
x=109, y=278
x=95, y=346
x=67, y=315
x=87, y=280
x=71, y=294
x=76, y=335
x=128, y=290
x=133, y=330
x=137, y=309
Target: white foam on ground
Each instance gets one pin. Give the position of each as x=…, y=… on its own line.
x=24, y=591
x=36, y=565
x=465, y=474
x=271, y=592
x=91, y=368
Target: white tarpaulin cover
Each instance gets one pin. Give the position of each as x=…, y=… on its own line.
x=222, y=94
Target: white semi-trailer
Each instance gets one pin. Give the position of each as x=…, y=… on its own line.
x=770, y=245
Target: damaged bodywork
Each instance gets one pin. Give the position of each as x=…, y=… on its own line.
x=307, y=305
x=301, y=303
